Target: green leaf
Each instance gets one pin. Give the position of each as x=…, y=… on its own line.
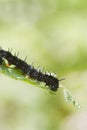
x=68, y=97
x=18, y=75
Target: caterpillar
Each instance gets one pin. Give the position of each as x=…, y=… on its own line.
x=50, y=80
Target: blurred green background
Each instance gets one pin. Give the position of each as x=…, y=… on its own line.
x=53, y=35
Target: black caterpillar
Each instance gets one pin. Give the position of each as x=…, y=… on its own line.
x=51, y=81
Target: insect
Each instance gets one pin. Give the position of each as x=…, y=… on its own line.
x=50, y=80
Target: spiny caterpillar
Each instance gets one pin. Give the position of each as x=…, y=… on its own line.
x=50, y=80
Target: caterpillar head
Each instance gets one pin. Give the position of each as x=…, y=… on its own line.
x=51, y=81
